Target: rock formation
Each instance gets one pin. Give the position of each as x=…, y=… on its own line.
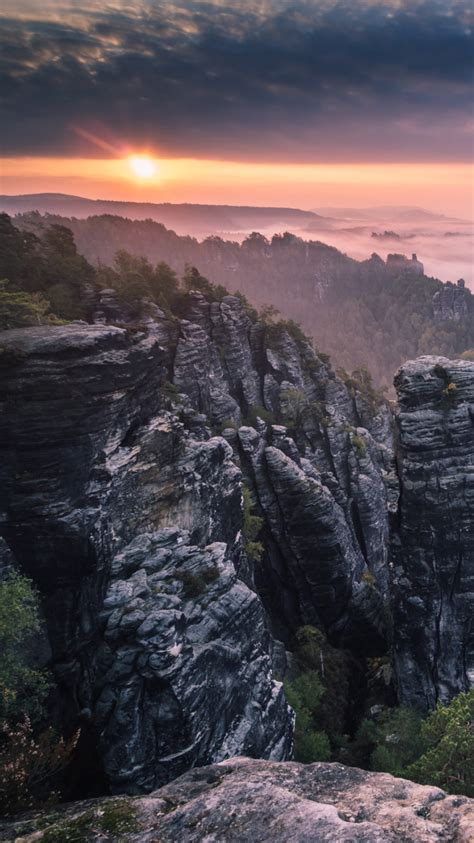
x=241, y=801
x=124, y=453
x=187, y=664
x=451, y=302
x=433, y=539
x=400, y=263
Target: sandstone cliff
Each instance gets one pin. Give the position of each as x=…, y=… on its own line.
x=124, y=455
x=433, y=535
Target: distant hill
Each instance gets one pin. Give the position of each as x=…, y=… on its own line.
x=403, y=213
x=182, y=218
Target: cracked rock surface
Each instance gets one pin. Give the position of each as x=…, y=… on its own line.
x=433, y=539
x=244, y=801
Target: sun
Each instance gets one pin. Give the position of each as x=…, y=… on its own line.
x=142, y=166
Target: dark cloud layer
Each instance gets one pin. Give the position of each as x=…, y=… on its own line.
x=307, y=80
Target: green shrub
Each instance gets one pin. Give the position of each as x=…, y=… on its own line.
x=448, y=737
x=170, y=391
x=23, y=688
x=31, y=757
x=164, y=287
x=193, y=280
x=399, y=740
x=441, y=372
x=313, y=652
x=311, y=746
x=304, y=695
x=195, y=584
x=275, y=331
x=251, y=526
x=210, y=574
x=295, y=331
x=361, y=382
x=267, y=314
x=254, y=550
x=368, y=578
x=359, y=443
x=30, y=766
x=228, y=423
x=259, y=412
x=63, y=299
x=22, y=310
x=294, y=405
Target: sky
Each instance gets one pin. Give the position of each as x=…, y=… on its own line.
x=308, y=103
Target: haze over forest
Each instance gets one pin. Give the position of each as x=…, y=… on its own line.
x=444, y=243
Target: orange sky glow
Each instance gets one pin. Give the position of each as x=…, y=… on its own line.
x=444, y=187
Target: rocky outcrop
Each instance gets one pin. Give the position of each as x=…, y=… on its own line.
x=400, y=263
x=433, y=538
x=187, y=653
x=247, y=801
x=452, y=302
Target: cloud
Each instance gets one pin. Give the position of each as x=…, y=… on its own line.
x=307, y=80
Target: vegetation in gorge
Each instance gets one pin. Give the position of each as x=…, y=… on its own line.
x=304, y=695
x=32, y=755
x=252, y=524
x=319, y=694
x=23, y=687
x=447, y=736
x=437, y=750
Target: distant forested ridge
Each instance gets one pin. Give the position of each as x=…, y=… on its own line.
x=363, y=313
x=185, y=217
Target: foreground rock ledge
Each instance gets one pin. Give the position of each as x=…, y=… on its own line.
x=251, y=801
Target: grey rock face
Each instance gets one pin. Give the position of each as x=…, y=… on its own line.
x=322, y=560
x=451, y=302
x=243, y=801
x=189, y=664
x=92, y=465
x=215, y=362
x=433, y=539
x=7, y=561
x=227, y=366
